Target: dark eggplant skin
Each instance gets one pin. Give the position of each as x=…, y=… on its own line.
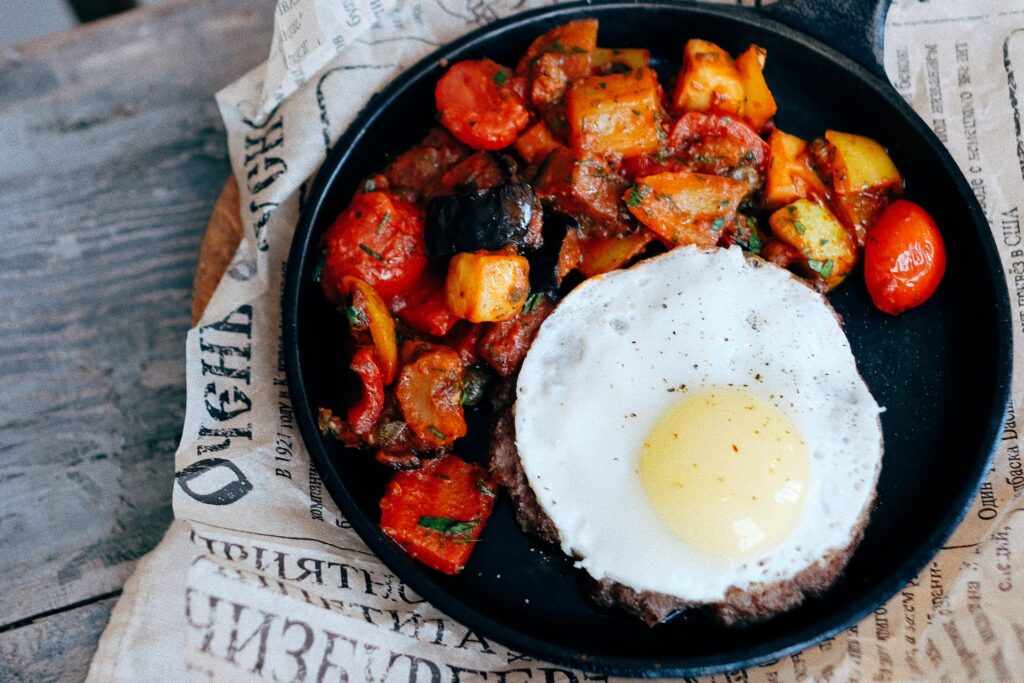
x=488, y=219
x=544, y=261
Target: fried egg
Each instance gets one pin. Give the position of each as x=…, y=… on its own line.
x=696, y=424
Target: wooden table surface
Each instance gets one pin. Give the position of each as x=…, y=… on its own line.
x=112, y=154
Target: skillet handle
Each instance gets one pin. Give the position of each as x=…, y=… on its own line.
x=853, y=27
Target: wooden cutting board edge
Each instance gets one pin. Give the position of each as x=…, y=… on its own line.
x=223, y=234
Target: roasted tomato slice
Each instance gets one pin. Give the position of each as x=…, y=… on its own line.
x=436, y=512
x=378, y=239
x=716, y=144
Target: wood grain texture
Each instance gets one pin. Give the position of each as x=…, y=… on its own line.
x=113, y=156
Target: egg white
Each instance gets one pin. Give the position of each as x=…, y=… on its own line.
x=598, y=377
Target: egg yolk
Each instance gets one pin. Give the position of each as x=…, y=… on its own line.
x=727, y=472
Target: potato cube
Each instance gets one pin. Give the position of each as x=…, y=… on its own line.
x=602, y=254
x=709, y=80
x=486, y=286
x=615, y=114
x=758, y=103
x=826, y=243
x=861, y=163
x=686, y=208
x=790, y=176
x=614, y=60
x=536, y=143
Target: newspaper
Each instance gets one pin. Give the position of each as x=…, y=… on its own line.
x=260, y=576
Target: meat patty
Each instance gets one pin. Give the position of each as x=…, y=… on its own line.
x=758, y=602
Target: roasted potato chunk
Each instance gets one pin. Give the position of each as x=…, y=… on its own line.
x=617, y=114
x=617, y=60
x=484, y=286
x=860, y=163
x=709, y=81
x=604, y=254
x=790, y=176
x=686, y=208
x=758, y=104
x=536, y=143
x=829, y=248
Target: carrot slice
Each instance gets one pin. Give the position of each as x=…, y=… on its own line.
x=480, y=105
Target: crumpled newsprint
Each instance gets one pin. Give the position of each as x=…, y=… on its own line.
x=261, y=578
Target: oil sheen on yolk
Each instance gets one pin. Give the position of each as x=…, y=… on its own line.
x=727, y=472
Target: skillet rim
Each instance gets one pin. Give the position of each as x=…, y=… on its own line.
x=422, y=582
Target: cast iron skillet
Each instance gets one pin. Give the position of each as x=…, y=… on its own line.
x=942, y=371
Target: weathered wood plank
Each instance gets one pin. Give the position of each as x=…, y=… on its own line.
x=55, y=648
x=112, y=157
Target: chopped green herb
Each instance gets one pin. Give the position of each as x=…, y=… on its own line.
x=822, y=268
x=799, y=227
x=371, y=252
x=751, y=223
x=577, y=50
x=706, y=158
x=449, y=526
x=532, y=301
x=602, y=85
x=723, y=203
x=369, y=185
x=485, y=489
x=637, y=193
x=500, y=78
x=718, y=224
x=472, y=124
x=436, y=432
x=637, y=112
x=755, y=243
x=473, y=385
x=356, y=317
x=318, y=271
x=822, y=242
x=557, y=46
x=383, y=222
x=747, y=156
x=619, y=68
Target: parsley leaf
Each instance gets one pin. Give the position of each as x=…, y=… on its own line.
x=755, y=243
x=577, y=50
x=799, y=227
x=500, y=78
x=436, y=432
x=449, y=526
x=371, y=252
x=356, y=317
x=822, y=268
x=636, y=195
x=718, y=224
x=557, y=46
x=532, y=301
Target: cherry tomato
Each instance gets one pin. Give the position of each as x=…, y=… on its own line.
x=904, y=258
x=378, y=239
x=481, y=104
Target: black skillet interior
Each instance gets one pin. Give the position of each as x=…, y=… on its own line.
x=941, y=371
